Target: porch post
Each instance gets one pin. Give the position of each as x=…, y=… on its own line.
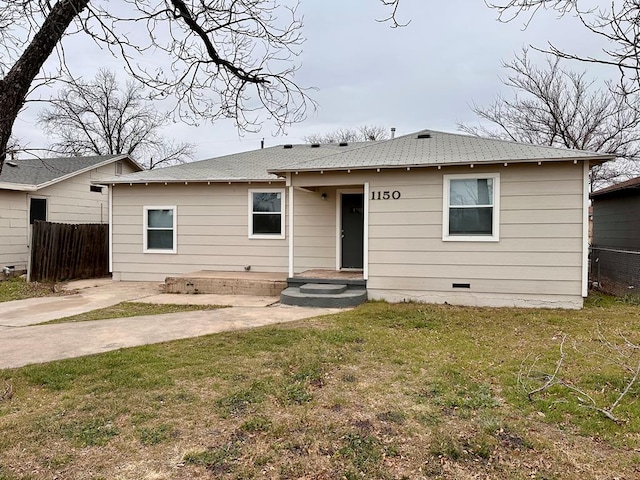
x=365, y=240
x=585, y=228
x=110, y=215
x=290, y=224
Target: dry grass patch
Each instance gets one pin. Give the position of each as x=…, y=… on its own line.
x=19, y=289
x=383, y=391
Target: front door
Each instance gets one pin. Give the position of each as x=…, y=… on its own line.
x=352, y=224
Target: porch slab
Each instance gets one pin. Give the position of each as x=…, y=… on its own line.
x=264, y=284
x=331, y=274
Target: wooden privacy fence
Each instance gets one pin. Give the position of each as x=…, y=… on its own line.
x=60, y=251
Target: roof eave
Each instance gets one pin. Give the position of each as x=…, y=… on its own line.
x=598, y=159
x=18, y=187
x=186, y=181
x=85, y=170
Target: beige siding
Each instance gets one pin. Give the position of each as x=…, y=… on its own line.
x=314, y=229
x=538, y=258
x=13, y=229
x=71, y=200
x=212, y=232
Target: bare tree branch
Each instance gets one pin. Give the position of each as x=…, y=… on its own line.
x=365, y=133
x=557, y=107
x=617, y=24
x=99, y=118
x=622, y=356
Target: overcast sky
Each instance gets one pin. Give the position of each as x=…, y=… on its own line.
x=424, y=75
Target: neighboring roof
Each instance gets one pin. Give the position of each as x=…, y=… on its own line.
x=630, y=186
x=424, y=148
x=36, y=173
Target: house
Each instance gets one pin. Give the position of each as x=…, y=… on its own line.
x=55, y=190
x=430, y=216
x=615, y=253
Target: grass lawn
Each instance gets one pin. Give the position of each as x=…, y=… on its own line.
x=19, y=289
x=380, y=392
x=131, y=309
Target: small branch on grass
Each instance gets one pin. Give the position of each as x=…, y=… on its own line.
x=620, y=356
x=8, y=392
x=551, y=379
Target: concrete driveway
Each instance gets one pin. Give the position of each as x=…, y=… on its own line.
x=24, y=342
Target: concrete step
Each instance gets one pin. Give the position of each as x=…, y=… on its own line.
x=347, y=298
x=322, y=288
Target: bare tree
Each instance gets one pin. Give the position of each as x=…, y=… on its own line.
x=364, y=133
x=557, y=107
x=617, y=24
x=228, y=59
x=99, y=118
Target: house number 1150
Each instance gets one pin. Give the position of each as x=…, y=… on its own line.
x=386, y=195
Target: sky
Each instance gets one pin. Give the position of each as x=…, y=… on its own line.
x=423, y=75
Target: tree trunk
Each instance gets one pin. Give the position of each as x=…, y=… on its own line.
x=14, y=87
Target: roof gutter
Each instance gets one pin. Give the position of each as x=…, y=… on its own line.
x=18, y=187
x=186, y=181
x=598, y=159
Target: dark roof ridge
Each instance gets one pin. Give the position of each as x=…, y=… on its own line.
x=633, y=182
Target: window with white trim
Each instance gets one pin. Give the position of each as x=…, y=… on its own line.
x=266, y=213
x=471, y=207
x=160, y=229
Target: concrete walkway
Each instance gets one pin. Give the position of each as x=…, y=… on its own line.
x=23, y=342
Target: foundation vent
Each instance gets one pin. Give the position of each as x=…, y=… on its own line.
x=461, y=285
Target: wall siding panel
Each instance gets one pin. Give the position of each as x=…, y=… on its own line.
x=212, y=231
x=539, y=251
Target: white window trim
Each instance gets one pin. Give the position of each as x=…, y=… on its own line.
x=46, y=213
x=145, y=222
x=495, y=237
x=283, y=210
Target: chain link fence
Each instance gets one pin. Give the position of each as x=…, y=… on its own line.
x=615, y=271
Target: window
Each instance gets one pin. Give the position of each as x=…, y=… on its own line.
x=37, y=210
x=266, y=218
x=95, y=188
x=160, y=229
x=471, y=208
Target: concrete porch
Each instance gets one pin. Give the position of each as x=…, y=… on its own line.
x=265, y=284
x=318, y=288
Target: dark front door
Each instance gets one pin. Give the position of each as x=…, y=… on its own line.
x=352, y=221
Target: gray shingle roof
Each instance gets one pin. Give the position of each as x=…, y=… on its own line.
x=245, y=166
x=438, y=149
x=38, y=171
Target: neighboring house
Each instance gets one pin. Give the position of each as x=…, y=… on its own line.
x=615, y=255
x=431, y=216
x=55, y=190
